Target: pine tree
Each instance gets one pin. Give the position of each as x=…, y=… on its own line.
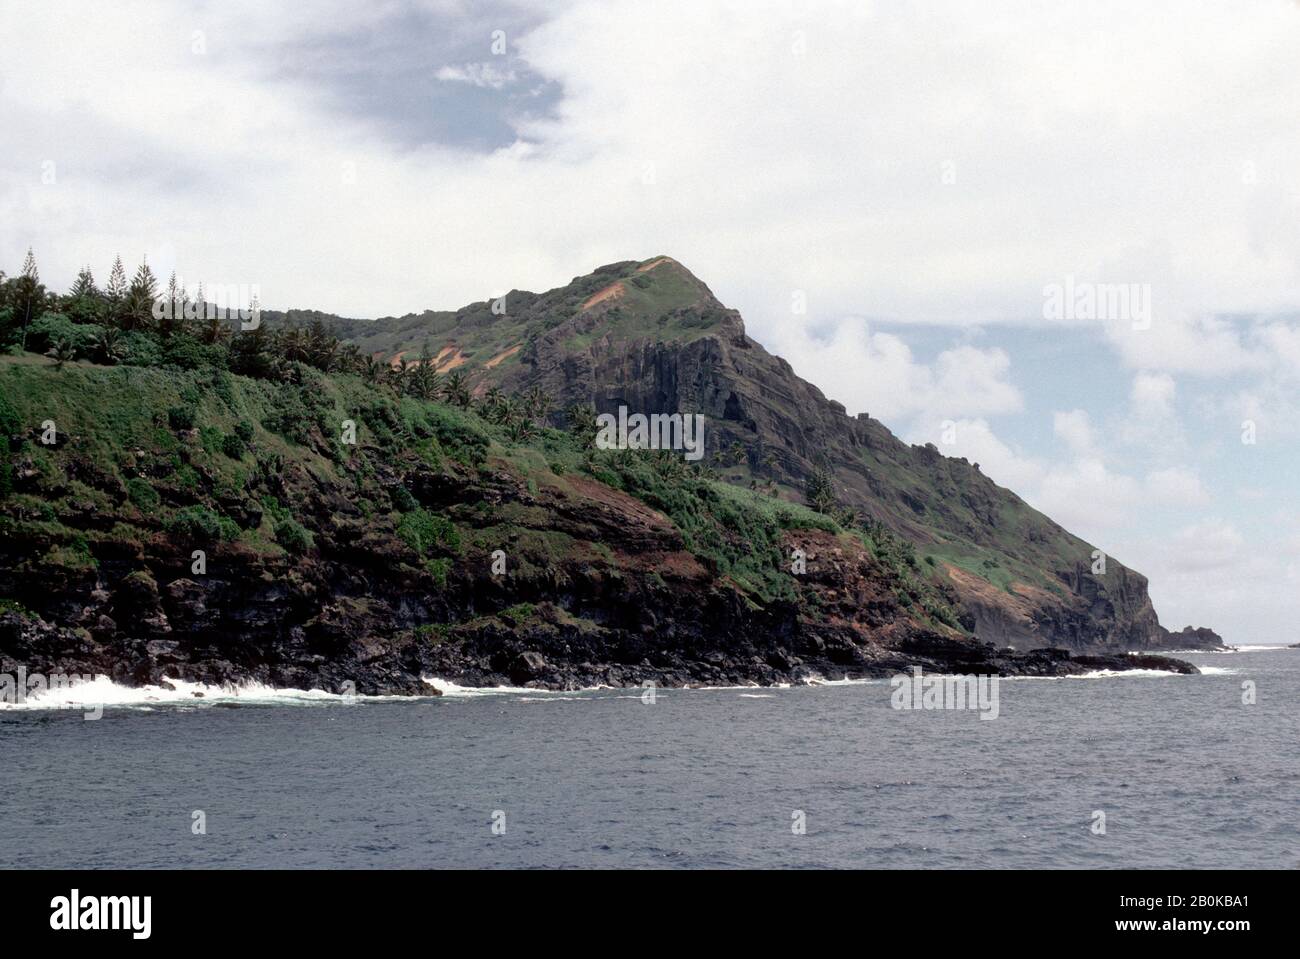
x=116, y=289
x=84, y=304
x=144, y=282
x=28, y=295
x=138, y=312
x=84, y=285
x=249, y=353
x=173, y=317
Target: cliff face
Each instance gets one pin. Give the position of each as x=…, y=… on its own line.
x=141, y=548
x=308, y=528
x=651, y=337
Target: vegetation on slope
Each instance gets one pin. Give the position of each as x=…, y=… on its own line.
x=266, y=440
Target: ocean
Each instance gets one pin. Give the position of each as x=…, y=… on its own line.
x=1184, y=774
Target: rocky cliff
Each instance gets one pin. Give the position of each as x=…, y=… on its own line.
x=270, y=508
x=650, y=336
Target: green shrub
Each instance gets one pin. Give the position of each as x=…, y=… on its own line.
x=222, y=383
x=181, y=417
x=196, y=524
x=382, y=419
x=51, y=328
x=142, y=494
x=182, y=351
x=140, y=349
x=244, y=430
x=460, y=434
x=402, y=500
x=434, y=633
x=275, y=509
x=438, y=569
x=292, y=536
x=13, y=606
x=210, y=438
x=232, y=446
x=518, y=612
x=187, y=477
x=424, y=531
x=296, y=411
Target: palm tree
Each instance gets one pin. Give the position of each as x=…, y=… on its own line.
x=520, y=426
x=61, y=352
x=492, y=402
x=538, y=403
x=295, y=345
x=325, y=354
x=322, y=349
x=350, y=359
x=770, y=464
x=108, y=346
x=396, y=375
x=457, y=390
x=423, y=382
x=372, y=371
x=582, y=422
x=819, y=491
x=506, y=412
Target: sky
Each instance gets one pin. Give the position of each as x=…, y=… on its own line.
x=892, y=194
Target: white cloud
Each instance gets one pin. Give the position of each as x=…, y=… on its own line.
x=1075, y=428
x=1210, y=545
x=1153, y=394
x=877, y=373
x=1183, y=342
x=1082, y=492
x=976, y=441
x=478, y=75
x=1075, y=135
x=1176, y=486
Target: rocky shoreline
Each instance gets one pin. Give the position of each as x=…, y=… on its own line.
x=537, y=659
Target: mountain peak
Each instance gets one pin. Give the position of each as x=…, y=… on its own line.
x=646, y=288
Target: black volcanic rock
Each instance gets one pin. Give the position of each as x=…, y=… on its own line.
x=1189, y=637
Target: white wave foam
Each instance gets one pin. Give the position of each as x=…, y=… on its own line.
x=1255, y=648
x=102, y=691
x=448, y=688
x=822, y=681
x=1133, y=673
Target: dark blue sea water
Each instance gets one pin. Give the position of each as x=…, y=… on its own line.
x=1186, y=774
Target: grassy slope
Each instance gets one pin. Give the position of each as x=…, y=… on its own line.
x=964, y=519
x=127, y=459
x=653, y=302
x=952, y=513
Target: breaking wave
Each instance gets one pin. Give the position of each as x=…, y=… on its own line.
x=102, y=691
